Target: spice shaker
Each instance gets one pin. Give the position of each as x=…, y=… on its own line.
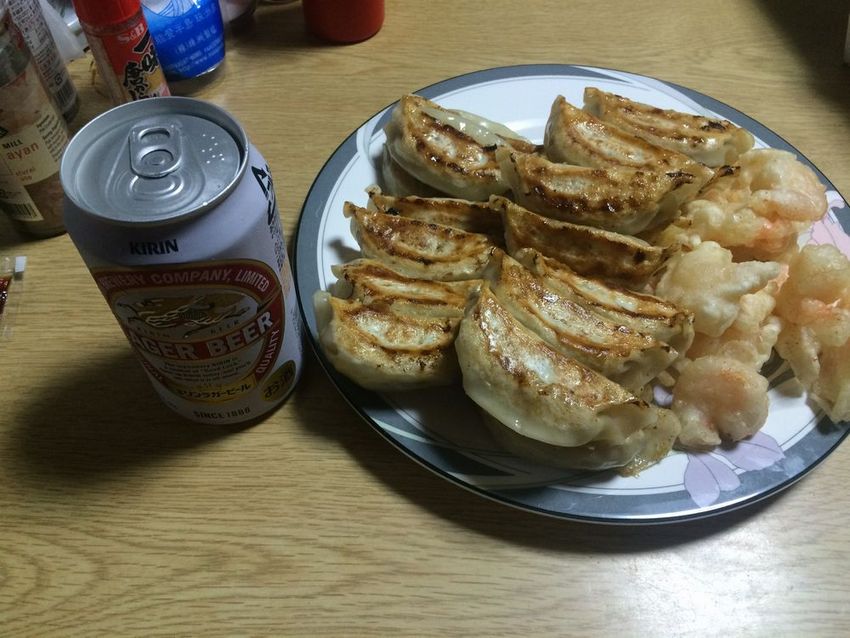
x=123, y=48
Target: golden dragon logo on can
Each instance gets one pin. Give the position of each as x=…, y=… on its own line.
x=194, y=313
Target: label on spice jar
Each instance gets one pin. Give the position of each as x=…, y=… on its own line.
x=14, y=198
x=33, y=152
x=131, y=56
x=32, y=132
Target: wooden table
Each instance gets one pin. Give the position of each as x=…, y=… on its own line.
x=119, y=518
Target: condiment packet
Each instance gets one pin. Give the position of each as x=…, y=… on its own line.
x=11, y=292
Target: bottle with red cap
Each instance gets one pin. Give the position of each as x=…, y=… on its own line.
x=343, y=21
x=123, y=48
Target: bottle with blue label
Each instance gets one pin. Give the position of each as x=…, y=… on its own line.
x=189, y=36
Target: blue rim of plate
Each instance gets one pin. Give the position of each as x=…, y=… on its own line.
x=754, y=484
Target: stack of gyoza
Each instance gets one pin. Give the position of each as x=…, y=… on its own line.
x=637, y=249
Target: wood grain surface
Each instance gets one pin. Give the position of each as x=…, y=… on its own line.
x=117, y=518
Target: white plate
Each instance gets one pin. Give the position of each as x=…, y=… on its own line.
x=441, y=429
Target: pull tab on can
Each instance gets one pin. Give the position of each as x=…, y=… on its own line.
x=156, y=151
x=167, y=159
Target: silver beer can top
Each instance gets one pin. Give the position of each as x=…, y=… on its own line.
x=154, y=161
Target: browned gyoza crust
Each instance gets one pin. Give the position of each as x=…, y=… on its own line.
x=576, y=136
x=399, y=182
x=588, y=251
x=472, y=217
x=641, y=312
x=442, y=156
x=622, y=354
x=382, y=350
x=371, y=282
x=623, y=199
x=527, y=385
x=712, y=141
x=419, y=249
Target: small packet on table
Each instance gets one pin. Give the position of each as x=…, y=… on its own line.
x=11, y=292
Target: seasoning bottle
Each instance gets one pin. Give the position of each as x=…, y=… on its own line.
x=344, y=21
x=123, y=48
x=33, y=136
x=30, y=20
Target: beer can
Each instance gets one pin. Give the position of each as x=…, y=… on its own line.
x=175, y=214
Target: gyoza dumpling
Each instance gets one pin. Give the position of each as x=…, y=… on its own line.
x=374, y=284
x=381, y=350
x=399, y=182
x=472, y=217
x=640, y=312
x=578, y=137
x=625, y=356
x=450, y=150
x=618, y=198
x=712, y=141
x=588, y=251
x=530, y=387
x=418, y=249
x=637, y=451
